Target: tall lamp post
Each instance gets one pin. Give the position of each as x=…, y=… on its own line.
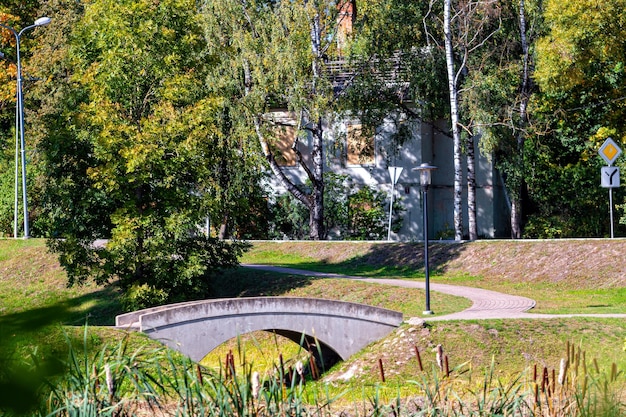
x=17, y=162
x=425, y=171
x=19, y=125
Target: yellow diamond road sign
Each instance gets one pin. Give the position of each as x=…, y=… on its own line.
x=609, y=151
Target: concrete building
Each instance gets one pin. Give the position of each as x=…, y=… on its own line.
x=366, y=156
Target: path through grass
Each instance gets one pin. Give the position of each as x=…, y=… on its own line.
x=557, y=289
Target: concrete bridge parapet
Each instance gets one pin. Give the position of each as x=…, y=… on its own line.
x=196, y=328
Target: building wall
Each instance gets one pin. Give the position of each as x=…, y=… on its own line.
x=425, y=143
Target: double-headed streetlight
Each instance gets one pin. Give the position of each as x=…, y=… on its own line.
x=19, y=126
x=425, y=171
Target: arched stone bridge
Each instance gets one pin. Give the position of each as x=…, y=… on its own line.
x=196, y=328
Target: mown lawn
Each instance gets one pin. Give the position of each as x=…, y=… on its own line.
x=564, y=277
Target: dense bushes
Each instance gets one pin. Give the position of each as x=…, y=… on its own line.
x=351, y=213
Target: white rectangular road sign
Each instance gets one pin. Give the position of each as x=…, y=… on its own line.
x=610, y=177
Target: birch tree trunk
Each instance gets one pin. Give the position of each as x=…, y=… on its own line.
x=316, y=213
x=311, y=121
x=454, y=118
x=471, y=189
x=466, y=15
x=516, y=197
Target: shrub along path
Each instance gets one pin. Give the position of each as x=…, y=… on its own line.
x=486, y=304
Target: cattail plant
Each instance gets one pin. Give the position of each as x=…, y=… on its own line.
x=115, y=381
x=118, y=381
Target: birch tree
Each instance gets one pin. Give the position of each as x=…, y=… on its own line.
x=500, y=98
x=271, y=55
x=525, y=92
x=453, y=83
x=467, y=27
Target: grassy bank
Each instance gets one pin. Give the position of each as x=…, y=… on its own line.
x=37, y=310
x=563, y=276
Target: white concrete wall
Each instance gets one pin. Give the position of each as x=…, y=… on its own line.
x=426, y=144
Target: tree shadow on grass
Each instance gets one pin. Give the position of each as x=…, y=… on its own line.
x=385, y=259
x=34, y=346
x=97, y=308
x=408, y=257
x=243, y=282
x=32, y=328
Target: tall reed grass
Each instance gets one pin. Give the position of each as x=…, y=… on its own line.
x=120, y=380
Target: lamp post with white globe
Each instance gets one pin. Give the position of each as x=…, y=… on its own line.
x=425, y=171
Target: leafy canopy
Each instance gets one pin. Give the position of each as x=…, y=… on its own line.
x=148, y=139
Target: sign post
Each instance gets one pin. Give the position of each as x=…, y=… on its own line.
x=394, y=173
x=610, y=151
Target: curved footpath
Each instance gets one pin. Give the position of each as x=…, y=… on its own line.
x=486, y=304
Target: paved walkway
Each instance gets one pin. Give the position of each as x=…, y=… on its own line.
x=486, y=304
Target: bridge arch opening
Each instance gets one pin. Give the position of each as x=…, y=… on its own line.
x=265, y=350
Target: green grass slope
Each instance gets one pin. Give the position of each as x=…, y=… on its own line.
x=563, y=276
x=36, y=306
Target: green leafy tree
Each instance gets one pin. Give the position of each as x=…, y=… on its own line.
x=271, y=55
x=500, y=100
x=239, y=201
x=133, y=148
x=580, y=71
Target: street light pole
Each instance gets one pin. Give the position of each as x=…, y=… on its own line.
x=17, y=169
x=17, y=162
x=16, y=206
x=19, y=121
x=425, y=170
